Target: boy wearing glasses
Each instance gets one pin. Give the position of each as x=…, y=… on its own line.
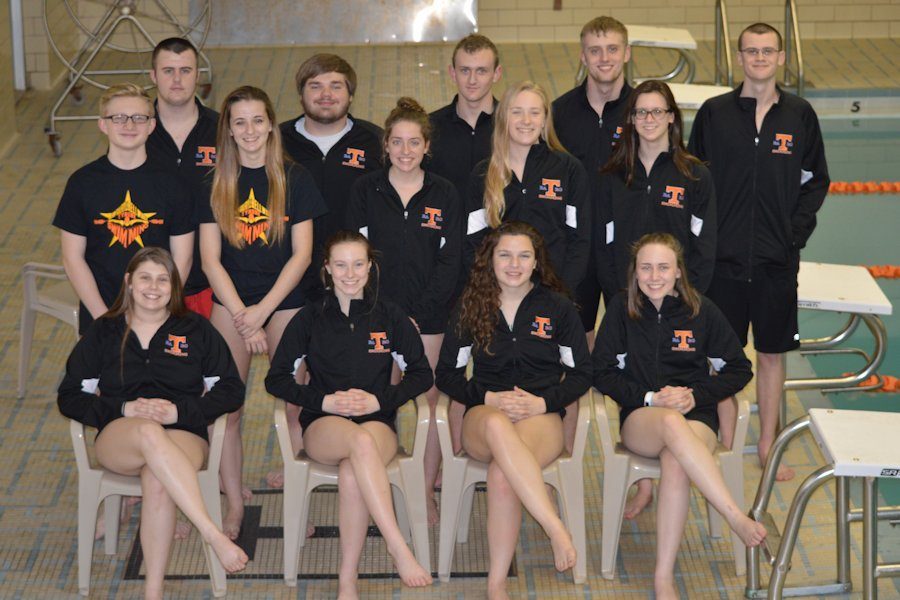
x=118, y=204
x=588, y=121
x=183, y=143
x=767, y=158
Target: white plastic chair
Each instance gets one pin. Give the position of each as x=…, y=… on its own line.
x=406, y=473
x=621, y=468
x=57, y=300
x=96, y=485
x=461, y=473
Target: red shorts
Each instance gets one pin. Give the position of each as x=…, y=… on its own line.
x=200, y=303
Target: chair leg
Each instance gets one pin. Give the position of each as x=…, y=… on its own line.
x=88, y=503
x=615, y=491
x=733, y=473
x=400, y=512
x=451, y=500
x=413, y=497
x=112, y=512
x=209, y=488
x=296, y=478
x=26, y=334
x=572, y=503
x=465, y=514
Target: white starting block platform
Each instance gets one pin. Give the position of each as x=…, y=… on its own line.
x=661, y=37
x=690, y=96
x=840, y=288
x=859, y=443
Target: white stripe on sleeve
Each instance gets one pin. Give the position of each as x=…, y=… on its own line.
x=297, y=364
x=463, y=356
x=717, y=363
x=90, y=385
x=400, y=360
x=621, y=359
x=364, y=231
x=696, y=225
x=210, y=382
x=566, y=357
x=610, y=232
x=571, y=216
x=477, y=221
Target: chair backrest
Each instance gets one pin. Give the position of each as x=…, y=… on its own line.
x=583, y=406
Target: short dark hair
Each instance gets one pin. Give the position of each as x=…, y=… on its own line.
x=759, y=29
x=173, y=44
x=318, y=64
x=604, y=25
x=474, y=42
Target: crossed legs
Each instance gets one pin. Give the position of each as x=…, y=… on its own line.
x=684, y=449
x=167, y=461
x=516, y=453
x=361, y=453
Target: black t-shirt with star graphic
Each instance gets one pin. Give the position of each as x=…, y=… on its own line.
x=255, y=266
x=119, y=212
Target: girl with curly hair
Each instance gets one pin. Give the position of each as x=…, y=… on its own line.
x=530, y=362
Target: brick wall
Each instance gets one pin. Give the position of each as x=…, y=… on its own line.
x=535, y=21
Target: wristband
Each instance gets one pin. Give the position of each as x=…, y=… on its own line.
x=648, y=399
x=122, y=410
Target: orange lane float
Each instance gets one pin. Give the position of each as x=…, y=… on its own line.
x=864, y=187
x=889, y=383
x=884, y=271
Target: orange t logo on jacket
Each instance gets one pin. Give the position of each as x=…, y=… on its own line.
x=783, y=143
x=542, y=327
x=206, y=155
x=431, y=217
x=673, y=195
x=378, y=342
x=176, y=345
x=550, y=188
x=355, y=158
x=683, y=339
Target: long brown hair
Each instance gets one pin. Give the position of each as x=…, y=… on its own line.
x=480, y=302
x=124, y=303
x=625, y=155
x=224, y=197
x=345, y=236
x=499, y=172
x=407, y=109
x=688, y=293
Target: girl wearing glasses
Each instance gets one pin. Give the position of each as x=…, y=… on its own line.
x=255, y=243
x=651, y=184
x=118, y=204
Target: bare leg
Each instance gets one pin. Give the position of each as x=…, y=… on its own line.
x=642, y=497
x=671, y=515
x=231, y=467
x=769, y=385
x=648, y=431
x=432, y=460
x=157, y=532
x=519, y=451
x=368, y=448
x=353, y=521
x=504, y=520
x=129, y=446
x=455, y=421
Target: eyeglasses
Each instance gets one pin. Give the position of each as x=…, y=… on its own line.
x=643, y=113
x=122, y=119
x=754, y=52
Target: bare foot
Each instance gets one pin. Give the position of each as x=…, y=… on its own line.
x=231, y=524
x=275, y=479
x=563, y=550
x=434, y=515
x=230, y=554
x=182, y=530
x=751, y=532
x=784, y=472
x=411, y=572
x=642, y=497
x=665, y=589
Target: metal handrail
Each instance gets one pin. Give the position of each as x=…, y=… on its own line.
x=792, y=48
x=723, y=47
